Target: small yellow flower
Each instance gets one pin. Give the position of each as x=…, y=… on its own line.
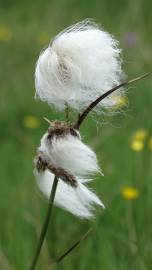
x=137, y=145
x=140, y=135
x=121, y=101
x=130, y=193
x=5, y=33
x=150, y=143
x=31, y=122
x=138, y=138
x=43, y=38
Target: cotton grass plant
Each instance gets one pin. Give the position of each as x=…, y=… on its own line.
x=80, y=69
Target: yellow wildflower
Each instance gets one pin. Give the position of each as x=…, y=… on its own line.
x=5, y=33
x=130, y=193
x=137, y=145
x=138, y=138
x=140, y=135
x=43, y=38
x=31, y=122
x=150, y=143
x=121, y=101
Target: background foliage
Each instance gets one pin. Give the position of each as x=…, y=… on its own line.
x=122, y=235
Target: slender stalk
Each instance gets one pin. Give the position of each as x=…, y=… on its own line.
x=84, y=114
x=66, y=112
x=45, y=225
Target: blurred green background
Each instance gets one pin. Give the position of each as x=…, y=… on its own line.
x=122, y=234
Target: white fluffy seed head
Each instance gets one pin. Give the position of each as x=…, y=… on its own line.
x=69, y=153
x=79, y=201
x=81, y=63
x=61, y=146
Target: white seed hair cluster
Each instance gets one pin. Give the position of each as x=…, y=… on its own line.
x=78, y=201
x=71, y=154
x=80, y=64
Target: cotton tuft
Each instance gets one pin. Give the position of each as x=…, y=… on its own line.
x=79, y=201
x=71, y=154
x=80, y=64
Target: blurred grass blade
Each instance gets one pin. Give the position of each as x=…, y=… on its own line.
x=67, y=252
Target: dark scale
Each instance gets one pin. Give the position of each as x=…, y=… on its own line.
x=61, y=129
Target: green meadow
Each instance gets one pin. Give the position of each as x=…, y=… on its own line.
x=121, y=237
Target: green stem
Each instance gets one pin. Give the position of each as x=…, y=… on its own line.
x=45, y=225
x=66, y=112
